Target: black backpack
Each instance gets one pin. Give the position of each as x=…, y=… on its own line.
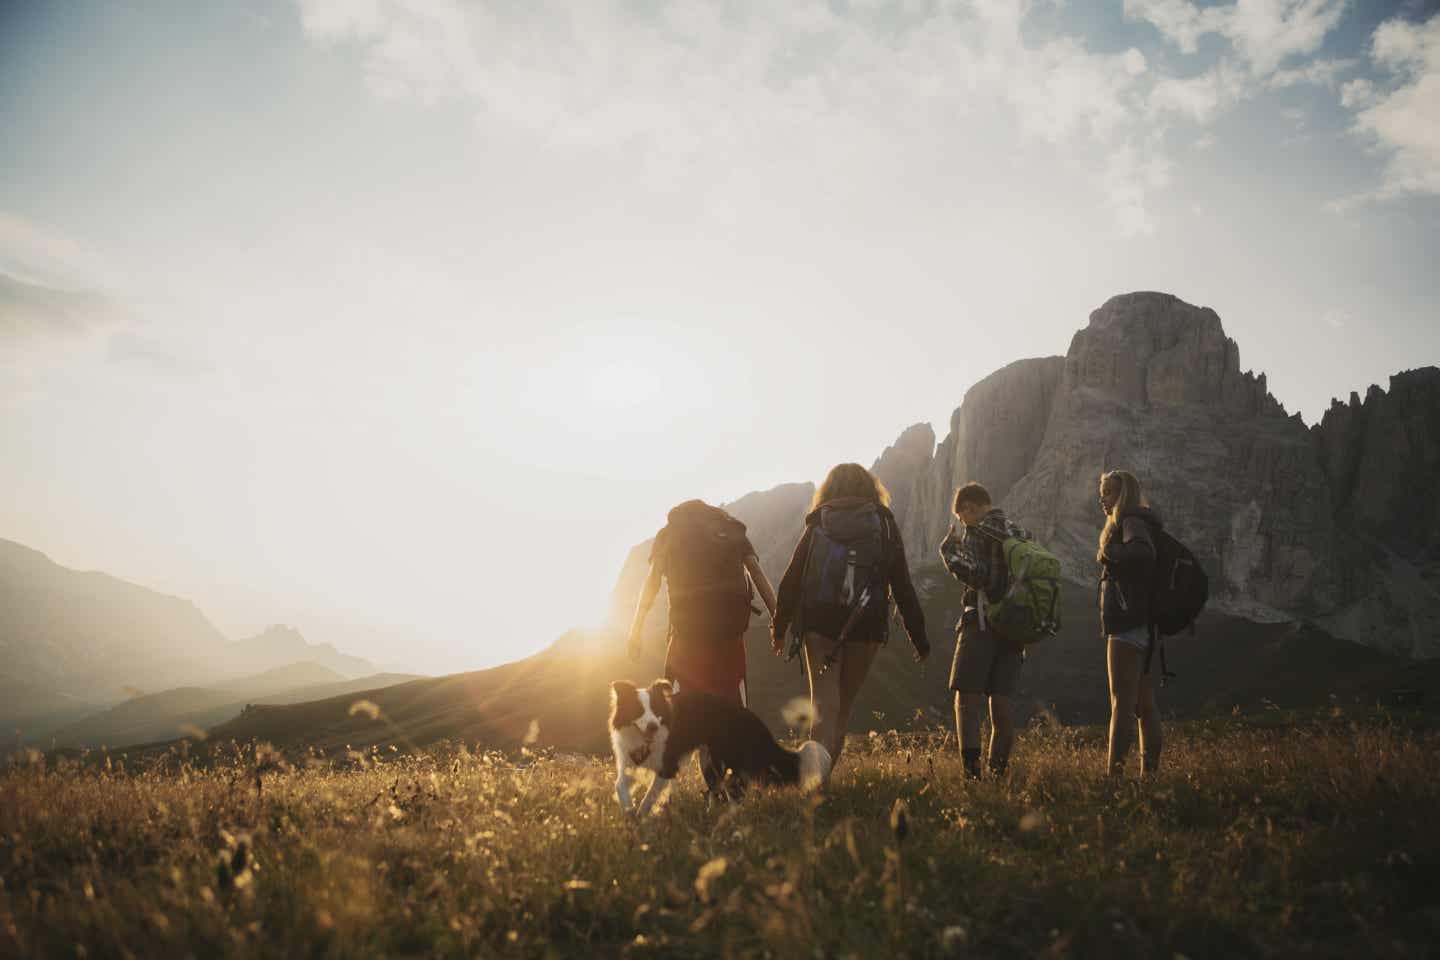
x=847, y=554
x=704, y=568
x=1180, y=587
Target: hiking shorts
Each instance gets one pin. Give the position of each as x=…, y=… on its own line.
x=1139, y=638
x=713, y=664
x=985, y=663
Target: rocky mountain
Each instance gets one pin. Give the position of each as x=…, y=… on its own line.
x=1338, y=522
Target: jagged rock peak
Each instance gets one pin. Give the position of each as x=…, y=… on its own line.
x=911, y=450
x=1152, y=349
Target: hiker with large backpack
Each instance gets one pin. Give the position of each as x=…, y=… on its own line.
x=1011, y=599
x=1127, y=558
x=836, y=593
x=706, y=560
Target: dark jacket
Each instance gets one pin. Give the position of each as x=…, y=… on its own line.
x=1127, y=567
x=874, y=623
x=975, y=556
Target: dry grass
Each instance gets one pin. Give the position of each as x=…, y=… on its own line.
x=1295, y=839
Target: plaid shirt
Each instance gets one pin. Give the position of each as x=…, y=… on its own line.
x=974, y=555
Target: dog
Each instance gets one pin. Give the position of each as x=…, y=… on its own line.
x=658, y=727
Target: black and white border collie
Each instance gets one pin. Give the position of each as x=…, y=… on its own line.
x=658, y=727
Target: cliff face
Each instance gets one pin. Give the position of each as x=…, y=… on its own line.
x=1381, y=459
x=1154, y=386
x=1339, y=522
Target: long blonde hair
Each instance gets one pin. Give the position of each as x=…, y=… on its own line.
x=1128, y=499
x=850, y=480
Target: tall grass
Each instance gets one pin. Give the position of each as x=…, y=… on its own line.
x=1319, y=838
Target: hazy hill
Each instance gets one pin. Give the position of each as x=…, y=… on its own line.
x=89, y=634
x=1232, y=662
x=73, y=643
x=280, y=644
x=170, y=713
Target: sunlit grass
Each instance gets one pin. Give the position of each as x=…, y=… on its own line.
x=1314, y=838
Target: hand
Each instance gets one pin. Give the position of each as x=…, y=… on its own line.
x=777, y=643
x=922, y=654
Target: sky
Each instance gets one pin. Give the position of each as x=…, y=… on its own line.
x=401, y=322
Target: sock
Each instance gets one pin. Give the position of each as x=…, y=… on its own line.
x=971, y=758
x=998, y=765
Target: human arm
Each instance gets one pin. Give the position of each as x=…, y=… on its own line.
x=1133, y=549
x=648, y=592
x=762, y=583
x=902, y=588
x=787, y=595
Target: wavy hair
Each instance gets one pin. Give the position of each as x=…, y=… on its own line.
x=850, y=480
x=1128, y=498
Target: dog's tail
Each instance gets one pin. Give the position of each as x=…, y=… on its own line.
x=815, y=765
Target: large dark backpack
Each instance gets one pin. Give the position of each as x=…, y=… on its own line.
x=848, y=553
x=1180, y=587
x=705, y=551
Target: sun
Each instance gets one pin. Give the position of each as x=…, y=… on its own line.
x=621, y=385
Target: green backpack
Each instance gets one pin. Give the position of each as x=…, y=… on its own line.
x=1030, y=609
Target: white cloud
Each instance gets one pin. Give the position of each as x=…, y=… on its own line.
x=1130, y=176
x=1335, y=318
x=1201, y=97
x=1264, y=33
x=1404, y=122
x=690, y=88
x=1357, y=93
x=1319, y=73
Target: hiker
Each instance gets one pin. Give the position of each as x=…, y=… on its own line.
x=706, y=560
x=836, y=593
x=986, y=667
x=1127, y=563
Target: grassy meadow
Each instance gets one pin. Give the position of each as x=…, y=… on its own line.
x=1266, y=837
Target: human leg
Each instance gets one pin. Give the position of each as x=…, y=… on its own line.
x=855, y=662
x=970, y=676
x=1151, y=739
x=1124, y=662
x=1002, y=732
x=824, y=692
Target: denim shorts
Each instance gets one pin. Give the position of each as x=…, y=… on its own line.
x=1139, y=638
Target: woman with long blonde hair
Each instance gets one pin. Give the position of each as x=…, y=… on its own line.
x=1127, y=564
x=836, y=594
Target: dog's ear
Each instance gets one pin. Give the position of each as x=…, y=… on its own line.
x=619, y=687
x=667, y=687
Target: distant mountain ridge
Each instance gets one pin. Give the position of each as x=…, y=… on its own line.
x=73, y=643
x=182, y=711
x=1337, y=522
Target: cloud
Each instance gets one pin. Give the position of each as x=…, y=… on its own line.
x=1319, y=73
x=693, y=90
x=1263, y=33
x=1357, y=93
x=1335, y=318
x=1199, y=98
x=1402, y=123
x=32, y=312
x=1130, y=176
x=41, y=255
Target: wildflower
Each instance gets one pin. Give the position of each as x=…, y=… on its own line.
x=798, y=713
x=707, y=874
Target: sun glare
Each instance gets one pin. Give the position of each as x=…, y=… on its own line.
x=621, y=386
